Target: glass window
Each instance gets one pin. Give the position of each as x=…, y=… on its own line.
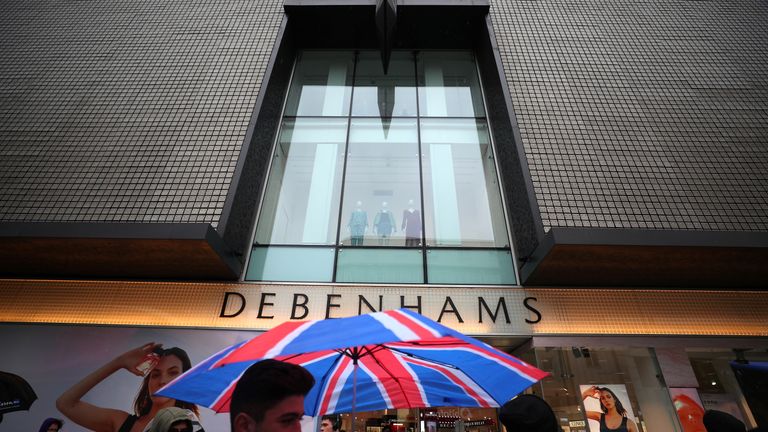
x=383, y=168
x=461, y=193
x=448, y=85
x=579, y=376
x=379, y=265
x=282, y=264
x=301, y=205
x=455, y=266
x=384, y=95
x=381, y=183
x=322, y=84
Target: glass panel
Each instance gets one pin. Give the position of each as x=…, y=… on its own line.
x=380, y=265
x=380, y=95
x=462, y=201
x=304, y=264
x=322, y=84
x=301, y=204
x=629, y=376
x=448, y=85
x=481, y=267
x=382, y=184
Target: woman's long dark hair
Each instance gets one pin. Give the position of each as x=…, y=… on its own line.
x=143, y=404
x=619, y=407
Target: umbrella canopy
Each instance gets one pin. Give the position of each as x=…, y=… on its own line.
x=391, y=359
x=15, y=393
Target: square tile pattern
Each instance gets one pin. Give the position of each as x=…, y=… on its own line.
x=642, y=114
x=127, y=111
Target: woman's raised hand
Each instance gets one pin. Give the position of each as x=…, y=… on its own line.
x=592, y=391
x=131, y=359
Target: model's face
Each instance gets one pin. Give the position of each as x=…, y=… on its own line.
x=168, y=368
x=326, y=426
x=607, y=399
x=283, y=417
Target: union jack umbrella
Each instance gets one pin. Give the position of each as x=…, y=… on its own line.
x=390, y=359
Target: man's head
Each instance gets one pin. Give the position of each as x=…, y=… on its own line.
x=330, y=423
x=528, y=413
x=174, y=419
x=269, y=397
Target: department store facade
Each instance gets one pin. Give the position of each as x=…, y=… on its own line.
x=437, y=156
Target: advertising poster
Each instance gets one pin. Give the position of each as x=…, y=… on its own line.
x=609, y=404
x=689, y=409
x=52, y=359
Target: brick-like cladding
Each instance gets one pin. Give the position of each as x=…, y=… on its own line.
x=641, y=114
x=129, y=110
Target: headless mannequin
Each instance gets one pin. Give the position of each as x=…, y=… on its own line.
x=384, y=224
x=412, y=225
x=358, y=224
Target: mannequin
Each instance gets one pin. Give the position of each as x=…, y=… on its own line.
x=412, y=225
x=384, y=224
x=358, y=224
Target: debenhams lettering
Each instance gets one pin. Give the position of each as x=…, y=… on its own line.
x=235, y=303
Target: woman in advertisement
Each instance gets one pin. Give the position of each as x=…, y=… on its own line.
x=613, y=416
x=158, y=366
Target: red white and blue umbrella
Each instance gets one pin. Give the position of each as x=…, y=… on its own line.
x=390, y=359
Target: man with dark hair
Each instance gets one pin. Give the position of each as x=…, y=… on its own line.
x=330, y=423
x=269, y=397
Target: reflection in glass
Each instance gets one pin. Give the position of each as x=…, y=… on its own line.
x=302, y=198
x=382, y=183
x=321, y=85
x=463, y=205
x=380, y=95
x=306, y=264
x=380, y=265
x=487, y=267
x=448, y=85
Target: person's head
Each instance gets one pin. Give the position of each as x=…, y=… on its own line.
x=608, y=401
x=719, y=421
x=51, y=425
x=528, y=413
x=330, y=423
x=172, y=363
x=173, y=419
x=269, y=397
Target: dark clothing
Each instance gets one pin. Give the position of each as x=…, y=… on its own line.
x=384, y=223
x=604, y=427
x=412, y=226
x=128, y=423
x=528, y=413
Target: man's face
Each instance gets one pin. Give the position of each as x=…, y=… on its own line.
x=181, y=426
x=283, y=417
x=326, y=426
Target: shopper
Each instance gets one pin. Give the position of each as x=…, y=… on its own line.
x=528, y=413
x=175, y=419
x=330, y=423
x=269, y=397
x=719, y=421
x=51, y=425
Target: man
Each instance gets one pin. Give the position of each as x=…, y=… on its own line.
x=528, y=413
x=174, y=419
x=330, y=424
x=269, y=397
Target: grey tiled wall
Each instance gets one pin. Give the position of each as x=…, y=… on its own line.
x=642, y=114
x=126, y=110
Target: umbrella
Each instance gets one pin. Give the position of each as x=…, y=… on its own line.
x=15, y=393
x=390, y=359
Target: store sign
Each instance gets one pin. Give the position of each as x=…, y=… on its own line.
x=508, y=310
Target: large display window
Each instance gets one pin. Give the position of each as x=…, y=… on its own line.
x=392, y=174
x=620, y=388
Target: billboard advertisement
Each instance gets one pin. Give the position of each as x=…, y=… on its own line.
x=607, y=406
x=87, y=369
